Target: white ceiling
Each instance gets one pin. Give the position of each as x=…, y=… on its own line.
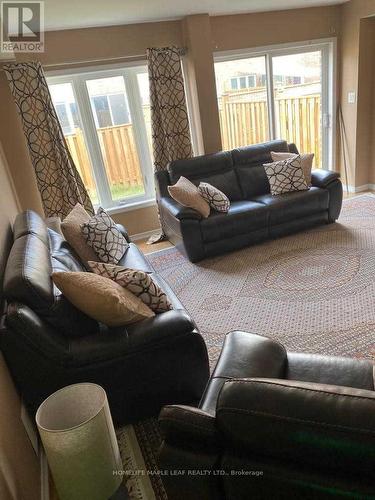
x=68, y=14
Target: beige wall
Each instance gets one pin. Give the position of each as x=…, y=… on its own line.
x=203, y=35
x=357, y=75
x=19, y=466
x=268, y=28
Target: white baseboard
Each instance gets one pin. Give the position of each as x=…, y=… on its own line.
x=143, y=236
x=358, y=189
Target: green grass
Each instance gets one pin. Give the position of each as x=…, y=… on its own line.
x=118, y=192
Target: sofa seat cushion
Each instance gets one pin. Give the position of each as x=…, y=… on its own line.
x=288, y=206
x=134, y=259
x=242, y=217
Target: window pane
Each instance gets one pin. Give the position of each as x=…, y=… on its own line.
x=67, y=112
x=63, y=118
x=119, y=109
x=101, y=111
x=298, y=89
x=243, y=111
x=117, y=142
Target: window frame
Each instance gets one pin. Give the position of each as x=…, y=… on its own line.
x=77, y=78
x=328, y=48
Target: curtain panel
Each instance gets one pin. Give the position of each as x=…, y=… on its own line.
x=58, y=179
x=169, y=118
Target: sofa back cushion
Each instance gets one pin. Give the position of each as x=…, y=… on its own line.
x=248, y=163
x=215, y=169
x=35, y=254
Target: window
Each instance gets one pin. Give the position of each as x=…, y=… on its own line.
x=288, y=95
x=105, y=117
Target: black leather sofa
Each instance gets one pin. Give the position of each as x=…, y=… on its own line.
x=254, y=214
x=48, y=344
x=274, y=424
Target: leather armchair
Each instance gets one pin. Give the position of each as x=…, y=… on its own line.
x=274, y=424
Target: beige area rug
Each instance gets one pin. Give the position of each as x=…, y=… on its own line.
x=313, y=291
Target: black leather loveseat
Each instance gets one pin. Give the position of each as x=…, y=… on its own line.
x=48, y=344
x=255, y=214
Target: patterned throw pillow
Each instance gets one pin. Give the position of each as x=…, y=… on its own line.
x=186, y=193
x=214, y=197
x=286, y=176
x=102, y=235
x=306, y=162
x=137, y=282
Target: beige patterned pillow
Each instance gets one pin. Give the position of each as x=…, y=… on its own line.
x=101, y=298
x=286, y=176
x=306, y=162
x=186, y=193
x=215, y=198
x=101, y=234
x=137, y=282
x=71, y=229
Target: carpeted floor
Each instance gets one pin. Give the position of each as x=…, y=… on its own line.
x=313, y=291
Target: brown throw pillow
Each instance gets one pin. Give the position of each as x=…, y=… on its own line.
x=101, y=298
x=186, y=193
x=137, y=282
x=71, y=229
x=306, y=162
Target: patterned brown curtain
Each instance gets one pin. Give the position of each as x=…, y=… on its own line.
x=58, y=179
x=169, y=118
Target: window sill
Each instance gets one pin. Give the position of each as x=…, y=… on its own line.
x=129, y=207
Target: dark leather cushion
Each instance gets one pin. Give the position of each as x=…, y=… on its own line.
x=28, y=280
x=29, y=222
x=334, y=370
x=248, y=163
x=323, y=178
x=289, y=206
x=244, y=355
x=134, y=259
x=242, y=217
x=318, y=424
x=216, y=169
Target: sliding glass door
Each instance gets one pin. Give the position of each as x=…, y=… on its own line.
x=280, y=94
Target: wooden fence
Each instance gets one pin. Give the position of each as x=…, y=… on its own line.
x=243, y=121
x=119, y=152
x=246, y=122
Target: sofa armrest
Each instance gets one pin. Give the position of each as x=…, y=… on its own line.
x=322, y=178
x=177, y=210
x=184, y=424
x=326, y=425
x=124, y=232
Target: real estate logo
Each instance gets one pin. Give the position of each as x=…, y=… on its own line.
x=22, y=26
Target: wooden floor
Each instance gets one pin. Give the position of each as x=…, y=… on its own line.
x=166, y=244
x=142, y=245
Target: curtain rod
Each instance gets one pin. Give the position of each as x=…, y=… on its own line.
x=89, y=62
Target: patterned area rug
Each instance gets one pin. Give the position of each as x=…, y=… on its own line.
x=313, y=291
